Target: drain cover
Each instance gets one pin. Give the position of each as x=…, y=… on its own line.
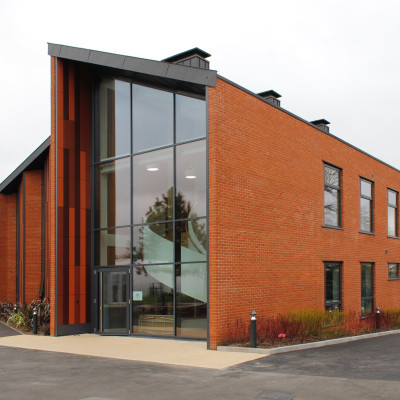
x=275, y=396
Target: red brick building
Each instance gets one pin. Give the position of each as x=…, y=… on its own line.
x=170, y=201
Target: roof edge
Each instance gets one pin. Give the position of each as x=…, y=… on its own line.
x=205, y=77
x=24, y=165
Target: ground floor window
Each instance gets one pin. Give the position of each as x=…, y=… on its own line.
x=333, y=283
x=367, y=288
x=393, y=271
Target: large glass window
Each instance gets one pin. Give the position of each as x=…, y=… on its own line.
x=332, y=196
x=333, y=282
x=191, y=180
x=366, y=206
x=113, y=119
x=113, y=193
x=153, y=181
x=153, y=118
x=367, y=288
x=190, y=118
x=392, y=213
x=113, y=247
x=191, y=300
x=153, y=243
x=153, y=299
x=150, y=209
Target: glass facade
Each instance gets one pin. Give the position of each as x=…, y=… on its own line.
x=150, y=194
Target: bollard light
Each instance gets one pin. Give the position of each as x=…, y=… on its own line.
x=253, y=329
x=34, y=321
x=378, y=318
x=15, y=308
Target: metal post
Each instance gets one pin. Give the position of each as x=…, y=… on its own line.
x=378, y=318
x=253, y=330
x=34, y=321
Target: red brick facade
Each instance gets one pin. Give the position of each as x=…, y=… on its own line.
x=266, y=212
x=267, y=240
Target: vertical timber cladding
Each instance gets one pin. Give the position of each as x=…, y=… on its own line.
x=73, y=195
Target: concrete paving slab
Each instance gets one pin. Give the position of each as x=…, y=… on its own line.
x=165, y=351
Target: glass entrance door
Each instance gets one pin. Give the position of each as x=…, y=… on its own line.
x=114, y=301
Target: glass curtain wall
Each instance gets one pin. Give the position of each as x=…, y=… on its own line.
x=150, y=204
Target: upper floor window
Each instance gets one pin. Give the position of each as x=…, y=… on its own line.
x=332, y=196
x=392, y=213
x=366, y=199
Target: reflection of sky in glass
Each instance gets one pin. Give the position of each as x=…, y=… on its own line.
x=150, y=185
x=153, y=118
x=331, y=176
x=391, y=221
x=392, y=198
x=366, y=188
x=190, y=118
x=122, y=118
x=331, y=207
x=191, y=161
x=365, y=215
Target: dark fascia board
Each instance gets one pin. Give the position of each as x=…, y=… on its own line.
x=24, y=165
x=303, y=120
x=184, y=73
x=186, y=54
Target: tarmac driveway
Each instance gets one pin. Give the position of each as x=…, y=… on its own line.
x=364, y=370
x=5, y=330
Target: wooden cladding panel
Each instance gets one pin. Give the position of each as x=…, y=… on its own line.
x=73, y=181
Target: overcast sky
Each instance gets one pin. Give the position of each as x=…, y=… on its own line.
x=332, y=59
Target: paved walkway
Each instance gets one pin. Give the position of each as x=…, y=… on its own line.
x=166, y=351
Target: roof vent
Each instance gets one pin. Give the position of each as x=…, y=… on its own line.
x=271, y=97
x=321, y=124
x=191, y=58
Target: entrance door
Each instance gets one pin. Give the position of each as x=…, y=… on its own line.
x=114, y=301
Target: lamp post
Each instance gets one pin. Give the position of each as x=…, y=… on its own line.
x=253, y=329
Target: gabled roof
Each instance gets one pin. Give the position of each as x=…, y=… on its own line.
x=160, y=69
x=32, y=162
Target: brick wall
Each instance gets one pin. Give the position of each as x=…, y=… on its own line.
x=7, y=247
x=266, y=211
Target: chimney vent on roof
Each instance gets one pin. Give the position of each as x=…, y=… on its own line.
x=192, y=58
x=271, y=97
x=321, y=124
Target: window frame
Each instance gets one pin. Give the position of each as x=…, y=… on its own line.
x=332, y=304
x=397, y=273
x=395, y=207
x=371, y=205
x=339, y=197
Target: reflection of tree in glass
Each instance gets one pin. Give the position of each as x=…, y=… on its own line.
x=162, y=210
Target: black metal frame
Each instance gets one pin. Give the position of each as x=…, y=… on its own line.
x=330, y=305
x=339, y=189
x=96, y=269
x=371, y=205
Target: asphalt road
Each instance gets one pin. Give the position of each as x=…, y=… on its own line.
x=363, y=370
x=5, y=330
